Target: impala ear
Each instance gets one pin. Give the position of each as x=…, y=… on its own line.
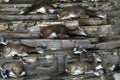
x=23, y=73
x=82, y=32
x=3, y=73
x=101, y=14
x=1, y=68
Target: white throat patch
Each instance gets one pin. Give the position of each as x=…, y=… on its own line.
x=6, y=1
x=23, y=73
x=12, y=74
x=112, y=68
x=99, y=67
x=41, y=10
x=99, y=59
x=77, y=72
x=104, y=16
x=51, y=10
x=4, y=43
x=3, y=74
x=53, y=35
x=21, y=12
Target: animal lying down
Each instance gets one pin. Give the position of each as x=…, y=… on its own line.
x=38, y=8
x=61, y=31
x=11, y=50
x=104, y=63
x=79, y=11
x=93, y=64
x=12, y=69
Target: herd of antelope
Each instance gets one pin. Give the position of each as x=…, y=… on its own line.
x=65, y=13
x=93, y=62
x=87, y=62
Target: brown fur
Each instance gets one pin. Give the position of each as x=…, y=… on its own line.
x=17, y=68
x=107, y=63
x=18, y=48
x=79, y=11
x=48, y=7
x=59, y=30
x=80, y=65
x=36, y=6
x=85, y=65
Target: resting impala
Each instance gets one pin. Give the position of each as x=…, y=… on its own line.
x=85, y=65
x=19, y=50
x=79, y=11
x=61, y=31
x=10, y=50
x=12, y=69
x=38, y=8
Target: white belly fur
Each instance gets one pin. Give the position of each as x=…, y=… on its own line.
x=53, y=35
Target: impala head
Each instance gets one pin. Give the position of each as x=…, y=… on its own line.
x=101, y=14
x=97, y=57
x=80, y=31
x=79, y=50
x=3, y=40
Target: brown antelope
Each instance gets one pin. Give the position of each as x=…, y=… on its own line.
x=55, y=31
x=38, y=8
x=78, y=11
x=19, y=50
x=108, y=64
x=12, y=69
x=104, y=69
x=80, y=67
x=84, y=66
